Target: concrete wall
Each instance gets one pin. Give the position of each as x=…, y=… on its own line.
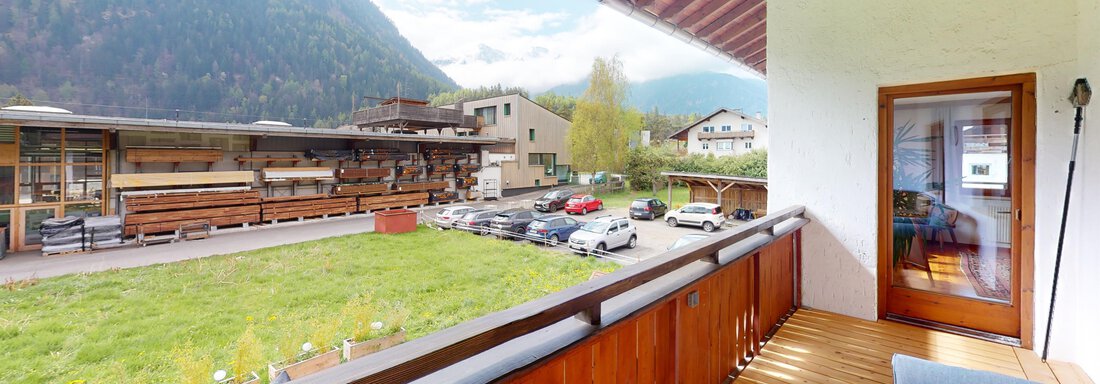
x=737, y=147
x=826, y=62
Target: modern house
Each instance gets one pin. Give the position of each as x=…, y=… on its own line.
x=874, y=109
x=724, y=132
x=55, y=164
x=538, y=158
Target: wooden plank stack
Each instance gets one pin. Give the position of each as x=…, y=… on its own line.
x=442, y=196
x=465, y=182
x=408, y=170
x=138, y=180
x=370, y=203
x=360, y=189
x=424, y=186
x=293, y=207
x=172, y=155
x=359, y=173
x=467, y=168
x=165, y=212
x=190, y=200
x=435, y=169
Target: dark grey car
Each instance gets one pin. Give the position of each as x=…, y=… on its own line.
x=648, y=209
x=513, y=221
x=476, y=221
x=554, y=200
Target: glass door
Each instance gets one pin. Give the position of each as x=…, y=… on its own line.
x=32, y=219
x=953, y=208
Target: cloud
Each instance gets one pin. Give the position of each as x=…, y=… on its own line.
x=540, y=49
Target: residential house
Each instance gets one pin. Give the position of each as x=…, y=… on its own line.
x=724, y=132
x=539, y=158
x=876, y=107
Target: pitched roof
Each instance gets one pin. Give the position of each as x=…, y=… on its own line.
x=682, y=133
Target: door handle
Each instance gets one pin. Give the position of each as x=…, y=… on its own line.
x=1019, y=215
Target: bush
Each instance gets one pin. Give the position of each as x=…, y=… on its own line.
x=644, y=165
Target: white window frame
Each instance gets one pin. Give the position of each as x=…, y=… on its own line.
x=745, y=127
x=727, y=128
x=748, y=145
x=725, y=145
x=706, y=146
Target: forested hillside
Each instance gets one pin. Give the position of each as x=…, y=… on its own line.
x=305, y=61
x=700, y=93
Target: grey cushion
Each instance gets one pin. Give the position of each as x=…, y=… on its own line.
x=911, y=370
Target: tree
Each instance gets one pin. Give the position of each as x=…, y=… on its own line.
x=561, y=105
x=466, y=94
x=644, y=166
x=602, y=126
x=18, y=99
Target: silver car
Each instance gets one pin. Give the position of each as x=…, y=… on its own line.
x=446, y=217
x=603, y=234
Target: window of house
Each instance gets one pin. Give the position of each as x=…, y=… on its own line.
x=748, y=145
x=706, y=145
x=980, y=169
x=745, y=127
x=39, y=145
x=507, y=109
x=726, y=128
x=725, y=145
x=708, y=129
x=531, y=134
x=488, y=114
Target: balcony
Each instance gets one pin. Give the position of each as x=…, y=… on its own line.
x=408, y=116
x=726, y=135
x=727, y=307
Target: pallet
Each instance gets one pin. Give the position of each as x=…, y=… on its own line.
x=423, y=186
x=176, y=201
x=360, y=189
x=372, y=203
x=359, y=173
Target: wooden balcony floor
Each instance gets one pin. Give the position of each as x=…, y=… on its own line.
x=821, y=347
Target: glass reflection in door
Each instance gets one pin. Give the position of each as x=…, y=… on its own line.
x=32, y=223
x=952, y=202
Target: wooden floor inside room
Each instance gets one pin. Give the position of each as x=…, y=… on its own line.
x=948, y=274
x=820, y=347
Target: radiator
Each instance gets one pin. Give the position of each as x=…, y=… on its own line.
x=1002, y=216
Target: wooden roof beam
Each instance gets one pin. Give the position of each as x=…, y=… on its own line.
x=674, y=9
x=751, y=48
x=756, y=59
x=744, y=39
x=742, y=33
x=643, y=4
x=740, y=11
x=715, y=6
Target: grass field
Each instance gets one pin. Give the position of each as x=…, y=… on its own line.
x=622, y=199
x=122, y=326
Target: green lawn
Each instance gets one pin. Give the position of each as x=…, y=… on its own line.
x=121, y=326
x=622, y=199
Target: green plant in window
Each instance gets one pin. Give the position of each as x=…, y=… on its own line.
x=912, y=170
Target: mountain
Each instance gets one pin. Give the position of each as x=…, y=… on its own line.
x=700, y=93
x=303, y=61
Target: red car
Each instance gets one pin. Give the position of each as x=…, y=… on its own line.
x=583, y=204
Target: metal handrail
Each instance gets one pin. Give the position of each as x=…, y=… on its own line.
x=420, y=357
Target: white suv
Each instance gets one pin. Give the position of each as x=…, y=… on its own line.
x=602, y=234
x=446, y=218
x=706, y=215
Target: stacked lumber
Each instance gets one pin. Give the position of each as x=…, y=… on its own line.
x=381, y=154
x=296, y=173
x=173, y=155
x=190, y=200
x=165, y=212
x=440, y=168
x=360, y=189
x=359, y=173
x=444, y=154
x=424, y=186
x=138, y=180
x=292, y=207
x=442, y=196
x=370, y=203
x=467, y=168
x=408, y=170
x=168, y=221
x=465, y=182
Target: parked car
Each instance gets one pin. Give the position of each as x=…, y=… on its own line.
x=513, y=221
x=706, y=215
x=448, y=215
x=602, y=234
x=687, y=239
x=553, y=228
x=583, y=204
x=476, y=221
x=648, y=209
x=554, y=200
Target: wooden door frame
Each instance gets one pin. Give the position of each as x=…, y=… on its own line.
x=1023, y=186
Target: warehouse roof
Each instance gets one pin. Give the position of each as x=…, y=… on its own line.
x=39, y=119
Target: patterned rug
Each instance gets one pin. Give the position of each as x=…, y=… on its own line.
x=990, y=279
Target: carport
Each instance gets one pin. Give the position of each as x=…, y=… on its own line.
x=730, y=192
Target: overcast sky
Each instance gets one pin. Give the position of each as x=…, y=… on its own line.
x=539, y=44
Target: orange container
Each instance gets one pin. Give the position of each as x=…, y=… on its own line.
x=395, y=221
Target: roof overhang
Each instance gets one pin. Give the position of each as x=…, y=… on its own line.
x=710, y=179
x=152, y=125
x=734, y=30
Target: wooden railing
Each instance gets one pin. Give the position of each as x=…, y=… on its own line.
x=726, y=135
x=693, y=314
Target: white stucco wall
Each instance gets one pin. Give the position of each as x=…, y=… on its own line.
x=826, y=62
